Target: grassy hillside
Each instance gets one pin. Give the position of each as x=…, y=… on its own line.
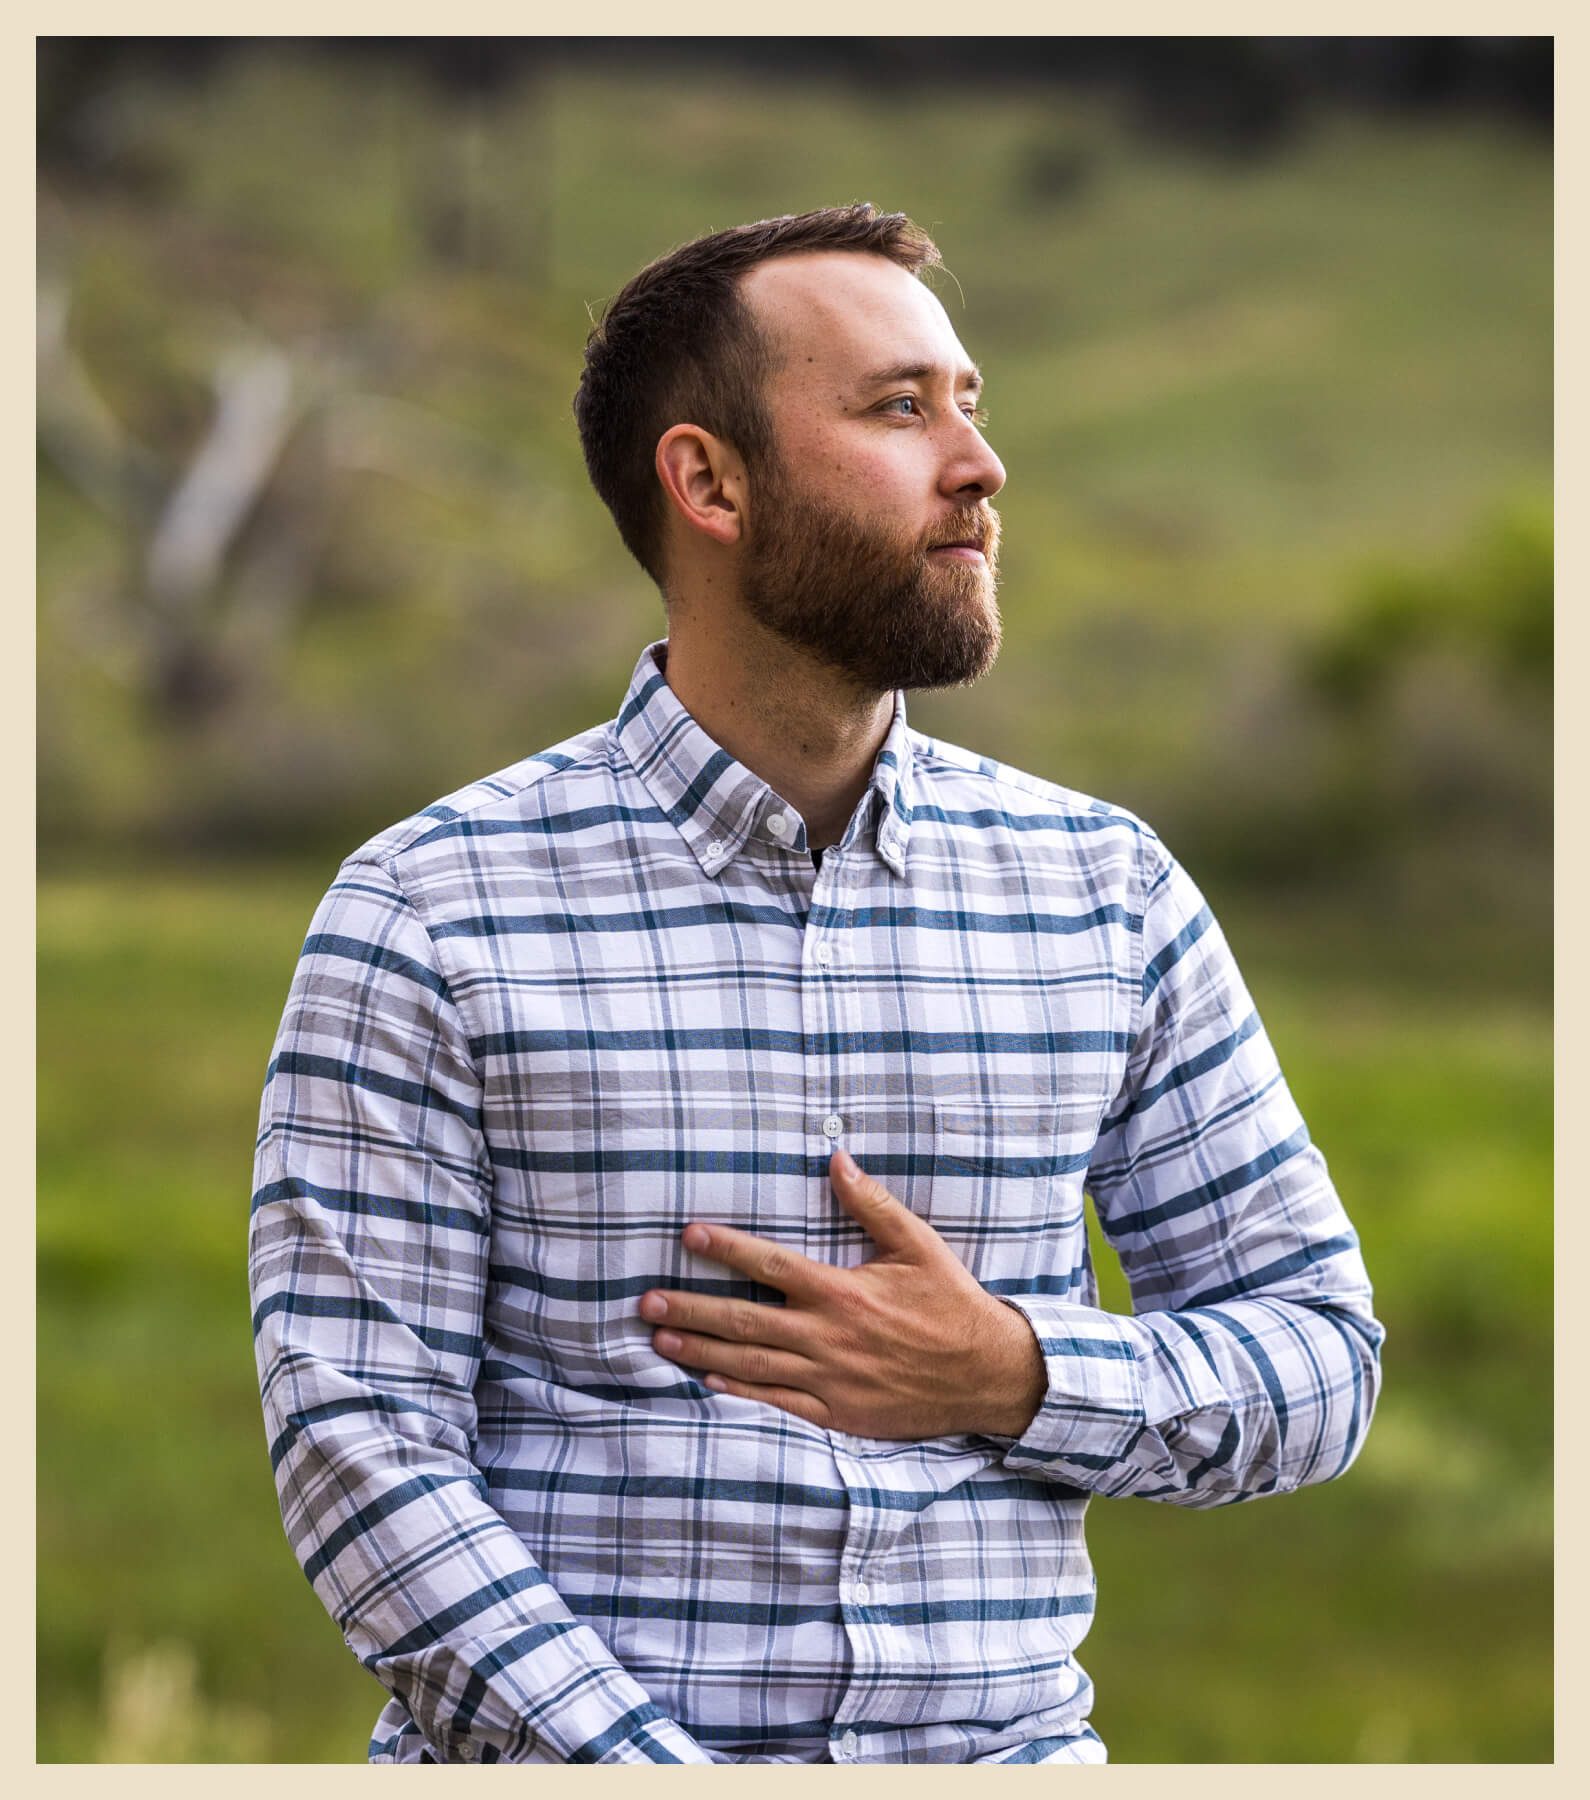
x=1225, y=392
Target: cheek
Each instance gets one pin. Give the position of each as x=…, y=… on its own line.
x=882, y=475
x=875, y=483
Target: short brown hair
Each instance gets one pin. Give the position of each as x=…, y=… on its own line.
x=678, y=343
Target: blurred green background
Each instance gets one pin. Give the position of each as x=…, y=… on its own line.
x=315, y=546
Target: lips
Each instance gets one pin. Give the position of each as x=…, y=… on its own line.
x=967, y=533
x=970, y=536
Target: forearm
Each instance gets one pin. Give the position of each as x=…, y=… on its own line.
x=1203, y=1406
x=438, y=1598
x=388, y=1517
x=1250, y=1364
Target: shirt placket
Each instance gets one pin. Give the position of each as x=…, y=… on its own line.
x=835, y=1072
x=828, y=1019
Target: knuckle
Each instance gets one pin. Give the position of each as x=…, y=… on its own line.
x=756, y=1365
x=775, y=1265
x=741, y=1322
x=846, y=1418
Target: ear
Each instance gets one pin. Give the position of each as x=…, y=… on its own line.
x=704, y=480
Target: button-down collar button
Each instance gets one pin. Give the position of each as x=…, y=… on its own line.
x=833, y=1125
x=778, y=824
x=714, y=849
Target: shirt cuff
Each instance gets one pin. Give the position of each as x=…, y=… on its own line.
x=1093, y=1411
x=659, y=1741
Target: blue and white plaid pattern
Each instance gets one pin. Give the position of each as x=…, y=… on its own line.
x=540, y=1027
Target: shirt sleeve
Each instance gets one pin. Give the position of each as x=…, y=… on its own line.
x=1251, y=1362
x=368, y=1252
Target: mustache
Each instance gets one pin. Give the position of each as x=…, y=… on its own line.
x=978, y=526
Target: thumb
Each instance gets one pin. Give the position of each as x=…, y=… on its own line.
x=890, y=1225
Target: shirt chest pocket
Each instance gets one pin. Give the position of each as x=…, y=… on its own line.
x=1006, y=1191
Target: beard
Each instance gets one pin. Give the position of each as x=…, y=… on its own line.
x=868, y=605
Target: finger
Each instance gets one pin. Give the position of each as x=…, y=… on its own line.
x=889, y=1224
x=752, y=1364
x=789, y=1400
x=771, y=1264
x=739, y=1321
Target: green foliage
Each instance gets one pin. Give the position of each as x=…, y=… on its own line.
x=1493, y=603
x=1412, y=725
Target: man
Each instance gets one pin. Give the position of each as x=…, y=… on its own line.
x=673, y=1307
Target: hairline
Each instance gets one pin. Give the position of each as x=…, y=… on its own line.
x=803, y=251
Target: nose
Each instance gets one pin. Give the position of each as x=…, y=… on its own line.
x=971, y=469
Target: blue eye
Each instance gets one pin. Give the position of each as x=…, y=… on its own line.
x=902, y=400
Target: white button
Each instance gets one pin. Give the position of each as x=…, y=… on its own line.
x=715, y=849
x=860, y=1593
x=833, y=1125
x=778, y=823
x=848, y=1743
x=824, y=955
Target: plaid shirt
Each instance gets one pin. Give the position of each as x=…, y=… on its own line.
x=541, y=1026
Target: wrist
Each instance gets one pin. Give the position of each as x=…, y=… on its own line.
x=1018, y=1378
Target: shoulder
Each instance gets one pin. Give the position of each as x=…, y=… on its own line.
x=963, y=788
x=496, y=816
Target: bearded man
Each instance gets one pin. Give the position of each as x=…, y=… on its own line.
x=674, y=1316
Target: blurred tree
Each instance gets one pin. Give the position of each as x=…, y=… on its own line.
x=1412, y=730
x=1494, y=603
x=185, y=521
x=225, y=541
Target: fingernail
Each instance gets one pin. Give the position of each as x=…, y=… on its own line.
x=716, y=1383
x=653, y=1306
x=847, y=1164
x=668, y=1343
x=696, y=1237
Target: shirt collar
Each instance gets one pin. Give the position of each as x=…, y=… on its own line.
x=717, y=805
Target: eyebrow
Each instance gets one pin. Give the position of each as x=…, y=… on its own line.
x=969, y=377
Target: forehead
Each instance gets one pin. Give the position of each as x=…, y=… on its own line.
x=837, y=314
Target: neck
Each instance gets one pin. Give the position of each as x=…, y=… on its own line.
x=812, y=736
